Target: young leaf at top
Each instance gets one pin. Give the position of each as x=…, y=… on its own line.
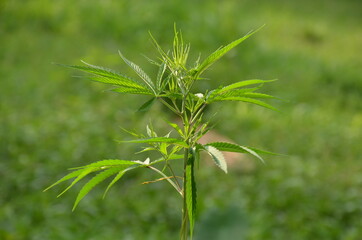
x=139, y=72
x=220, y=52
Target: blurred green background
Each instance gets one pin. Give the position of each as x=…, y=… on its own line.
x=50, y=121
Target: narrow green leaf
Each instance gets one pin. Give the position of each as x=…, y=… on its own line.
x=175, y=126
x=132, y=90
x=261, y=151
x=159, y=140
x=243, y=84
x=84, y=173
x=139, y=72
x=147, y=105
x=107, y=163
x=65, y=178
x=217, y=156
x=231, y=147
x=161, y=72
x=258, y=95
x=248, y=100
x=190, y=190
x=119, y=176
x=221, y=52
x=95, y=181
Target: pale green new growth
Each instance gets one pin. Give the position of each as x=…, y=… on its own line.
x=172, y=87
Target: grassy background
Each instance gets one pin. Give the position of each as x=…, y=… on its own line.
x=50, y=121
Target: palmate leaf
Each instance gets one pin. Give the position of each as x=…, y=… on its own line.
x=217, y=156
x=140, y=73
x=100, y=177
x=220, y=52
x=230, y=147
x=190, y=190
x=175, y=141
x=108, y=76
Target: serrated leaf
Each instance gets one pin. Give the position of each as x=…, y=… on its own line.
x=159, y=140
x=139, y=72
x=84, y=173
x=132, y=90
x=190, y=190
x=65, y=178
x=258, y=95
x=221, y=52
x=231, y=147
x=217, y=156
x=107, y=163
x=105, y=75
x=248, y=100
x=243, y=84
x=100, y=177
x=161, y=72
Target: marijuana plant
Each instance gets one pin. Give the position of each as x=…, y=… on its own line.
x=173, y=88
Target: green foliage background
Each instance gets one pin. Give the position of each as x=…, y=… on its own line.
x=50, y=121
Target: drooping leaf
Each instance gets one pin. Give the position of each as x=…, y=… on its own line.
x=159, y=140
x=84, y=173
x=190, y=190
x=248, y=100
x=147, y=105
x=231, y=147
x=139, y=72
x=217, y=156
x=119, y=176
x=221, y=52
x=100, y=177
x=65, y=178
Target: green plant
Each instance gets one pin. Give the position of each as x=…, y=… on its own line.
x=173, y=88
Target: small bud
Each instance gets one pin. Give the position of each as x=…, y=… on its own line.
x=199, y=95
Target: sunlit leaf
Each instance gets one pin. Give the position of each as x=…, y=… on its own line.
x=217, y=156
x=221, y=52
x=231, y=147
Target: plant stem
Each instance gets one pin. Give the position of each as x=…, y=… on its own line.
x=185, y=218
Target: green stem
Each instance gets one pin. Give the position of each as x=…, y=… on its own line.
x=185, y=218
